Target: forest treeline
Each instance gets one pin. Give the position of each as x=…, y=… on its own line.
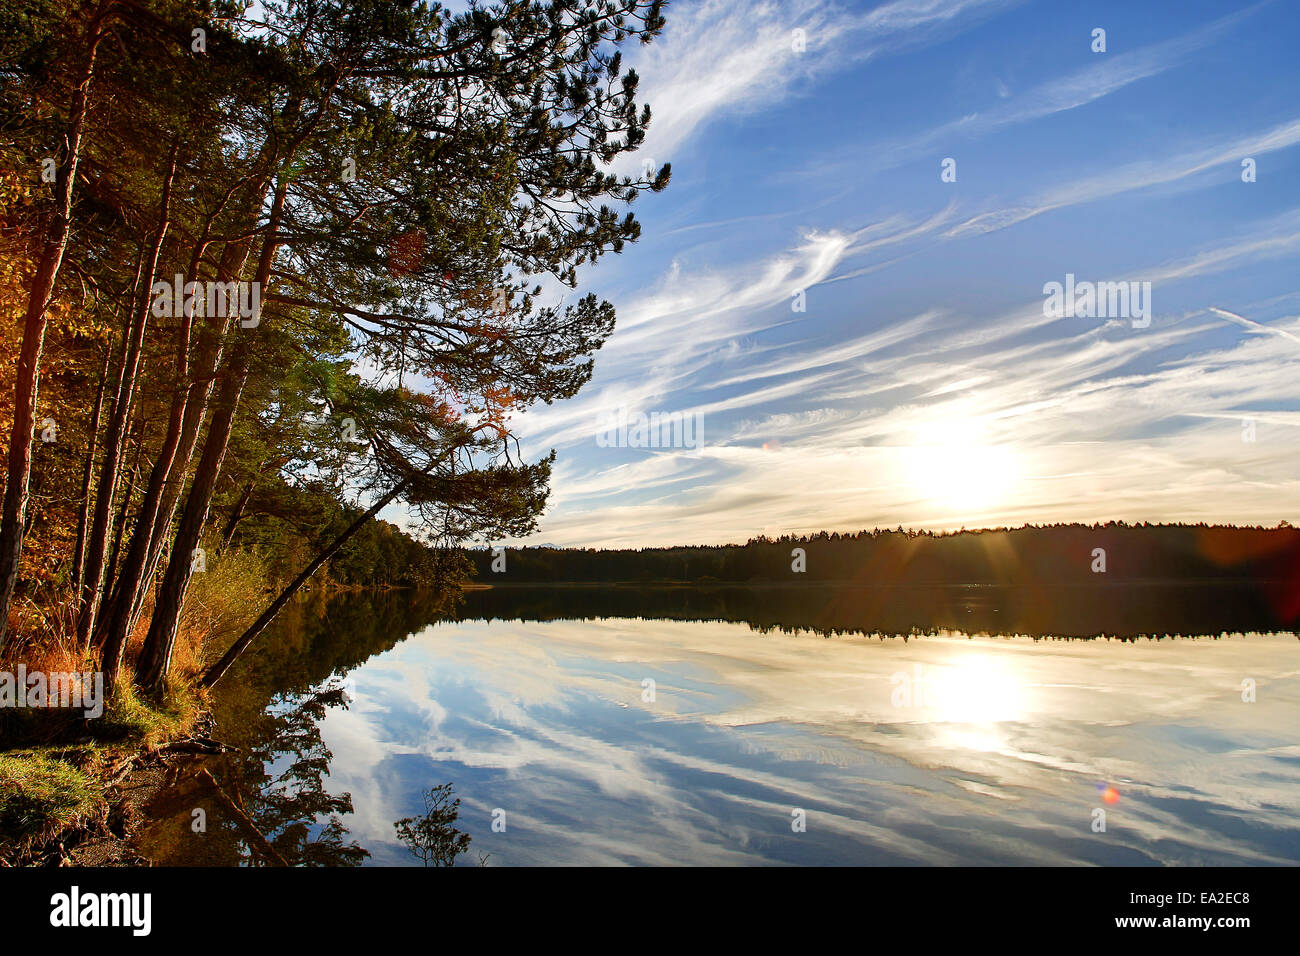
x=1032, y=555
x=270, y=268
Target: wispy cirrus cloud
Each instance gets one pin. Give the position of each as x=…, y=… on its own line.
x=1080, y=88
x=1136, y=176
x=689, y=320
x=720, y=58
x=1156, y=400
x=1253, y=326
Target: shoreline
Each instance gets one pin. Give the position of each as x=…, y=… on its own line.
x=875, y=586
x=72, y=790
x=125, y=785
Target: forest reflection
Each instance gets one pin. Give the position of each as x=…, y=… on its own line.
x=267, y=803
x=1148, y=609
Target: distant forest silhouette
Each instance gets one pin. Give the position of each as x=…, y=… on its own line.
x=1158, y=579
x=1047, y=555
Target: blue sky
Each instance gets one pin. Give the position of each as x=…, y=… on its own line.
x=923, y=385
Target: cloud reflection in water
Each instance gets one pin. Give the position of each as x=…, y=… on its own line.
x=996, y=758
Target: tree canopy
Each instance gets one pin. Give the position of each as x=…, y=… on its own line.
x=280, y=266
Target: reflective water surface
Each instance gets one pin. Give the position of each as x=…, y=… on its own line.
x=713, y=736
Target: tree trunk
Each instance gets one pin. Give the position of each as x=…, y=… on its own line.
x=115, y=624
x=195, y=409
x=29, y=358
x=92, y=588
x=156, y=655
x=196, y=406
x=88, y=473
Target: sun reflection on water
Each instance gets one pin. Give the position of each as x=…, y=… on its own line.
x=977, y=689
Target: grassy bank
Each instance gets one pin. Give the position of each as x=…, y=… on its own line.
x=59, y=767
x=56, y=783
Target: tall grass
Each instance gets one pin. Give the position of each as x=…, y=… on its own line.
x=55, y=780
x=223, y=600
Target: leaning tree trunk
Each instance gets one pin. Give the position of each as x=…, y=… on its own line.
x=196, y=406
x=19, y=471
x=218, y=669
x=156, y=654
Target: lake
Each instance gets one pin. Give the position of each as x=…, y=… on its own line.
x=694, y=726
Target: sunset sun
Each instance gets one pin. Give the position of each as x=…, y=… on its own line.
x=954, y=467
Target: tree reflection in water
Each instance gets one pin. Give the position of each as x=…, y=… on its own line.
x=433, y=836
x=262, y=805
x=286, y=807
x=266, y=804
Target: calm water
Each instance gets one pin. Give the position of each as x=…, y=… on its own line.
x=937, y=749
